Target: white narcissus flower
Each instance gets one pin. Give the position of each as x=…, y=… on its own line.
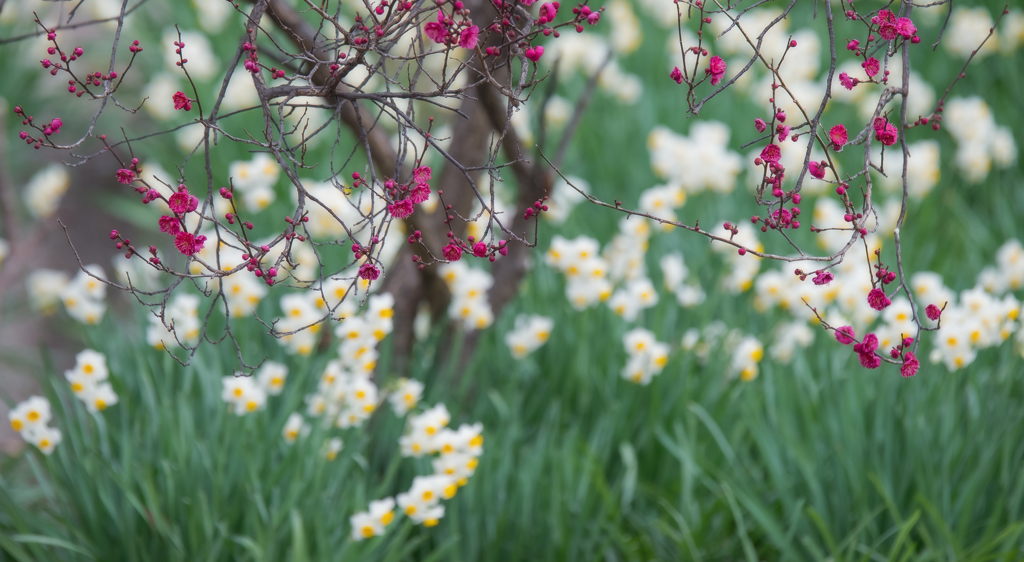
x=459, y=466
x=31, y=415
x=99, y=397
x=405, y=396
x=45, y=287
x=271, y=376
x=530, y=332
x=332, y=448
x=372, y=522
x=422, y=502
x=45, y=439
x=748, y=353
x=244, y=395
x=293, y=428
x=87, y=380
x=45, y=191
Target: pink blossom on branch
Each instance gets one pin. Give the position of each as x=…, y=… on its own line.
x=420, y=193
x=868, y=345
x=933, y=312
x=452, y=252
x=838, y=136
x=771, y=153
x=421, y=174
x=847, y=81
x=906, y=28
x=436, y=30
x=369, y=272
x=169, y=225
x=401, y=209
x=676, y=75
x=871, y=67
x=845, y=335
x=910, y=365
x=877, y=299
x=188, y=243
x=181, y=202
x=181, y=101
x=885, y=131
x=760, y=125
x=869, y=360
x=480, y=249
x=886, y=22
x=866, y=352
x=469, y=36
x=534, y=53
x=716, y=68
x=125, y=176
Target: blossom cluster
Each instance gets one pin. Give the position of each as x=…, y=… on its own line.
x=468, y=287
x=530, y=332
x=647, y=356
x=458, y=453
x=88, y=380
x=30, y=419
x=83, y=296
x=247, y=394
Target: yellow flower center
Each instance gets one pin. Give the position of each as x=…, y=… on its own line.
x=88, y=369
x=476, y=441
x=367, y=531
x=44, y=443
x=238, y=391
x=251, y=406
x=430, y=523
x=33, y=415
x=387, y=313
x=100, y=404
x=388, y=518
x=411, y=509
x=431, y=430
x=16, y=424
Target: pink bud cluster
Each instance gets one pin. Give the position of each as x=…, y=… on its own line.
x=179, y=46
x=51, y=128
x=537, y=208
x=252, y=60
x=885, y=132
x=447, y=31
x=405, y=197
